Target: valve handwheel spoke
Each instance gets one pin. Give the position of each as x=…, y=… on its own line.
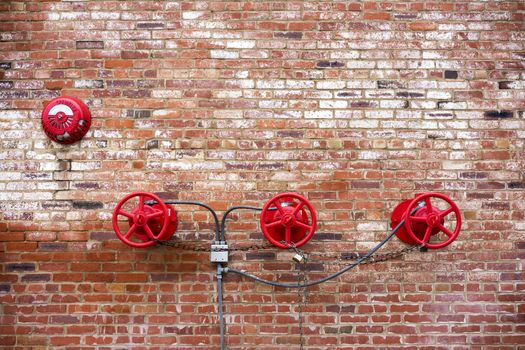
x=140, y=234
x=303, y=225
x=279, y=207
x=428, y=232
x=156, y=214
x=428, y=205
x=126, y=214
x=293, y=224
x=131, y=230
x=418, y=218
x=445, y=230
x=141, y=202
x=432, y=219
x=149, y=232
x=275, y=223
x=288, y=235
x=446, y=212
x=298, y=207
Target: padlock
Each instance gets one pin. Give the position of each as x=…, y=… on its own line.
x=298, y=258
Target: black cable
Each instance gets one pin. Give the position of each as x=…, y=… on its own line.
x=215, y=217
x=322, y=280
x=225, y=216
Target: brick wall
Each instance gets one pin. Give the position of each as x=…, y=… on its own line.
x=356, y=105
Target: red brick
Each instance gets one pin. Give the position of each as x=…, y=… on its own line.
x=422, y=26
x=376, y=16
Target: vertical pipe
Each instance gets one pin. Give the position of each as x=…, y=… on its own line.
x=219, y=296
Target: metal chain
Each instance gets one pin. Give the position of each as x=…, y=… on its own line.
x=337, y=259
x=200, y=247
x=376, y=258
x=302, y=297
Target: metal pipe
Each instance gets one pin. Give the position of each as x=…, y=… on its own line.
x=219, y=297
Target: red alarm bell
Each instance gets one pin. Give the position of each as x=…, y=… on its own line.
x=427, y=216
x=147, y=223
x=288, y=220
x=66, y=120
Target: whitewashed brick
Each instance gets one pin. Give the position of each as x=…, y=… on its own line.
x=318, y=114
x=330, y=84
x=240, y=44
x=333, y=104
x=224, y=54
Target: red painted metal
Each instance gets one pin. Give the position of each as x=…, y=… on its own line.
x=66, y=120
x=288, y=220
x=146, y=222
x=427, y=221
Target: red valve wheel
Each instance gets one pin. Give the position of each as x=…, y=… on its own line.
x=429, y=220
x=146, y=222
x=288, y=220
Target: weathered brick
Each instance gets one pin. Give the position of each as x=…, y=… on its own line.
x=498, y=114
x=355, y=105
x=89, y=45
